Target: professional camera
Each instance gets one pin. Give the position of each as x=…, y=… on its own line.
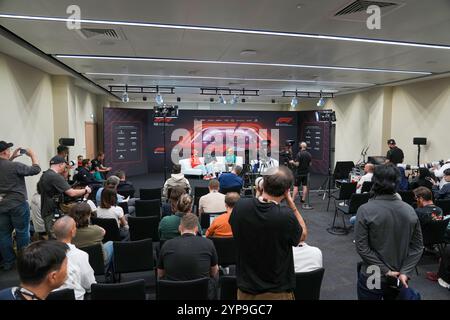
x=428, y=165
x=290, y=142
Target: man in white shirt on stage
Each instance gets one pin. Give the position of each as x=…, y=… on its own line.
x=368, y=169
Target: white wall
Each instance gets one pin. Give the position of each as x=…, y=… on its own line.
x=422, y=110
x=26, y=111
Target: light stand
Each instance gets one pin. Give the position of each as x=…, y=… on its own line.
x=418, y=155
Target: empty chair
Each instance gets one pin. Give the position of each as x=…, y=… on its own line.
x=228, y=288
x=96, y=258
x=308, y=284
x=408, y=197
x=133, y=256
x=226, y=250
x=366, y=186
x=434, y=232
x=64, y=294
x=111, y=228
x=345, y=192
x=148, y=208
x=143, y=228
x=150, y=194
x=356, y=200
x=133, y=290
x=444, y=205
x=182, y=290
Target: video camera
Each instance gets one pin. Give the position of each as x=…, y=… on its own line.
x=428, y=165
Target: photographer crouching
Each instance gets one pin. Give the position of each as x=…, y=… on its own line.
x=53, y=188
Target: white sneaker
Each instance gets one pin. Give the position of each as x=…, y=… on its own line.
x=444, y=284
x=342, y=203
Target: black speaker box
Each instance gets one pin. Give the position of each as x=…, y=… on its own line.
x=421, y=141
x=68, y=142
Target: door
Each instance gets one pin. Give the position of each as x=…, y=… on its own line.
x=90, y=130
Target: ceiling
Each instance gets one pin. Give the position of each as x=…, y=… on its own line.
x=214, y=58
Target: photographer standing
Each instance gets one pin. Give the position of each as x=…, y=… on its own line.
x=53, y=187
x=302, y=162
x=14, y=209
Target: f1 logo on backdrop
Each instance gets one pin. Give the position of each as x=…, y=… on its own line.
x=284, y=121
x=161, y=120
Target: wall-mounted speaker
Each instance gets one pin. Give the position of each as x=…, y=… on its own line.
x=68, y=142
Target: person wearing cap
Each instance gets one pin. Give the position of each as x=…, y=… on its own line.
x=53, y=187
x=439, y=173
x=14, y=209
x=394, y=154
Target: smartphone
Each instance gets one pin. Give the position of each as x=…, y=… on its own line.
x=22, y=151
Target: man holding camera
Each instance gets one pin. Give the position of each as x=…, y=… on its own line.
x=53, y=187
x=302, y=162
x=14, y=209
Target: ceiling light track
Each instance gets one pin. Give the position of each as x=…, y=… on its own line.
x=229, y=30
x=307, y=94
x=142, y=89
x=228, y=92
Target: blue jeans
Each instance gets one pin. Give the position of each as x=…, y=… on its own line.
x=17, y=218
x=384, y=293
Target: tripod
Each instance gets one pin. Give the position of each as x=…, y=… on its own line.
x=327, y=182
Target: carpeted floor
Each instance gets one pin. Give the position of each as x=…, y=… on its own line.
x=339, y=255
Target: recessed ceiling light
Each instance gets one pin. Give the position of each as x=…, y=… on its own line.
x=431, y=62
x=229, y=30
x=305, y=66
x=248, y=52
x=300, y=5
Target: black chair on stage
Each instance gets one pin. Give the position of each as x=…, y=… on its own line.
x=226, y=250
x=148, y=208
x=198, y=193
x=111, y=228
x=444, y=205
x=408, y=197
x=150, y=194
x=143, y=228
x=133, y=256
x=96, y=259
x=132, y=290
x=228, y=288
x=356, y=200
x=182, y=290
x=64, y=294
x=308, y=284
x=366, y=186
x=345, y=191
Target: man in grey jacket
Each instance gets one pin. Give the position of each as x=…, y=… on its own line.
x=177, y=179
x=388, y=238
x=14, y=209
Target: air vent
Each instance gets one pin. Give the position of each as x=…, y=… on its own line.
x=361, y=5
x=356, y=10
x=103, y=79
x=101, y=34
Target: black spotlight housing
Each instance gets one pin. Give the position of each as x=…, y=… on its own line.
x=243, y=100
x=178, y=99
x=144, y=98
x=211, y=99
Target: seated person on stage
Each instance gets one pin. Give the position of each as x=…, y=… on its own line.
x=368, y=170
x=424, y=179
x=84, y=175
x=170, y=207
x=230, y=181
x=168, y=226
x=89, y=234
x=210, y=162
x=196, y=164
x=176, y=179
x=108, y=210
x=230, y=159
x=189, y=257
x=214, y=201
x=220, y=227
x=444, y=192
x=306, y=258
x=125, y=187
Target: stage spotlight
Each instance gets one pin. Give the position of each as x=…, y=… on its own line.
x=159, y=99
x=178, y=99
x=144, y=98
x=321, y=102
x=243, y=100
x=234, y=100
x=273, y=100
x=294, y=102
x=125, y=97
x=211, y=99
x=222, y=100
